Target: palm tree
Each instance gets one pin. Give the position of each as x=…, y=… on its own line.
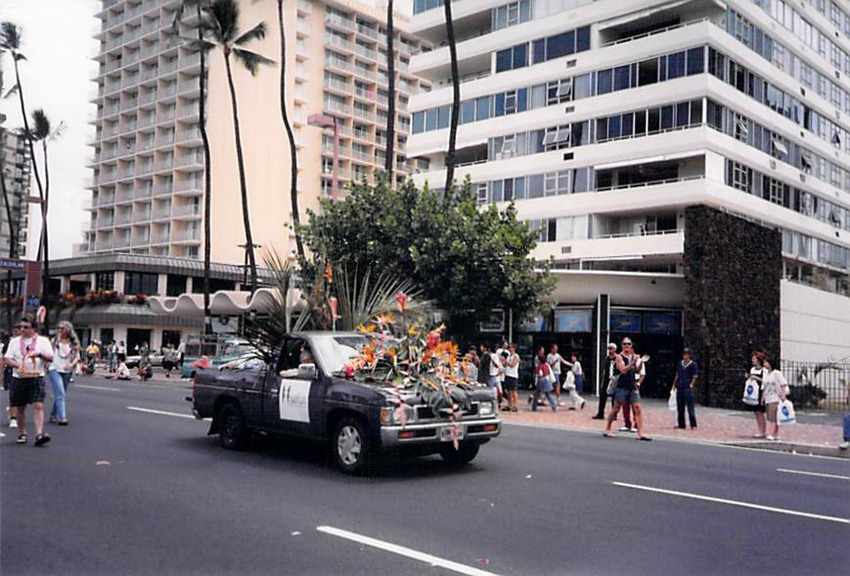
x=389, y=160
x=13, y=238
x=200, y=6
x=10, y=41
x=221, y=30
x=44, y=132
x=450, y=155
x=293, y=151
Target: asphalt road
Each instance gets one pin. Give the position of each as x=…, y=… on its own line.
x=124, y=491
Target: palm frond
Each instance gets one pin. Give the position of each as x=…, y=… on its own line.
x=10, y=37
x=58, y=131
x=258, y=32
x=12, y=91
x=362, y=296
x=40, y=125
x=223, y=21
x=251, y=60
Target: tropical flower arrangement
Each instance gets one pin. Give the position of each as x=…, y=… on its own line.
x=407, y=356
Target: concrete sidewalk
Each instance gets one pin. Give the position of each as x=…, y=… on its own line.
x=812, y=434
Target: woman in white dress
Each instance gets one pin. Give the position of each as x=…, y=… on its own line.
x=773, y=384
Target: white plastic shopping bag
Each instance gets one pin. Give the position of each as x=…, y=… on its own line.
x=672, y=403
x=751, y=393
x=785, y=414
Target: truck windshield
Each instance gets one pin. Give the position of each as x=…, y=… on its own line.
x=336, y=351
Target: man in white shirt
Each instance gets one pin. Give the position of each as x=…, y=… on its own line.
x=512, y=377
x=28, y=354
x=554, y=360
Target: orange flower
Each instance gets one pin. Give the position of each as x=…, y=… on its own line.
x=368, y=329
x=329, y=273
x=401, y=301
x=369, y=354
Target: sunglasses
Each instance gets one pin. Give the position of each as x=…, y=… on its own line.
x=627, y=343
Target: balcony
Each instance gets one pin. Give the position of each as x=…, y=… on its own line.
x=163, y=189
x=367, y=31
x=336, y=42
x=189, y=135
x=150, y=74
x=104, y=222
x=124, y=196
x=190, y=86
x=191, y=235
x=340, y=21
x=163, y=213
x=187, y=210
x=338, y=64
x=305, y=7
x=104, y=245
x=190, y=61
x=190, y=160
x=144, y=216
x=143, y=240
x=188, y=111
x=123, y=219
x=162, y=165
x=143, y=193
x=189, y=186
x=337, y=85
x=365, y=72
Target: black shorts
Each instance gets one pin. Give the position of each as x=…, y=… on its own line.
x=756, y=408
x=27, y=391
x=510, y=383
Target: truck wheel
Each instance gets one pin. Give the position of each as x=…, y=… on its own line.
x=351, y=447
x=232, y=433
x=466, y=453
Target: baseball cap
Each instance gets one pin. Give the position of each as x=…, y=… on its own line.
x=612, y=345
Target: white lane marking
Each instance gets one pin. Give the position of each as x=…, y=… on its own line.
x=402, y=551
x=734, y=503
x=160, y=412
x=818, y=474
x=97, y=387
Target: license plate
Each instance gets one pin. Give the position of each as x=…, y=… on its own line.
x=446, y=433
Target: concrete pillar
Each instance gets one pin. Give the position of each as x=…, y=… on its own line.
x=156, y=339
x=92, y=282
x=162, y=285
x=189, y=284
x=118, y=286
x=64, y=284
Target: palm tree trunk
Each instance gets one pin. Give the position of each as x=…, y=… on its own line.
x=293, y=151
x=13, y=241
x=202, y=81
x=389, y=160
x=45, y=269
x=450, y=155
x=28, y=138
x=243, y=187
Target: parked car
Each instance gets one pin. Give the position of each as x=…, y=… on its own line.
x=358, y=421
x=155, y=358
x=220, y=350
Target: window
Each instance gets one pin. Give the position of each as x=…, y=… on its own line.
x=467, y=113
x=512, y=58
x=482, y=108
x=418, y=122
x=550, y=137
x=604, y=79
x=560, y=45
x=481, y=192
x=696, y=61
x=104, y=281
x=140, y=283
x=741, y=128
x=740, y=177
x=675, y=65
x=621, y=77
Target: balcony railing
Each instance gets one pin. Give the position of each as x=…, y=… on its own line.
x=187, y=210
x=142, y=217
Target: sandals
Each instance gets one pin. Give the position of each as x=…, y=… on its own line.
x=53, y=420
x=607, y=435
x=42, y=439
x=22, y=439
x=63, y=423
x=645, y=438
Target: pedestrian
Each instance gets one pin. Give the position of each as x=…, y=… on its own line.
x=28, y=354
x=501, y=355
x=609, y=369
x=775, y=391
x=144, y=369
x=687, y=372
x=628, y=425
x=122, y=372
x=555, y=360
x=846, y=444
x=470, y=365
x=490, y=368
x=8, y=380
x=545, y=382
x=577, y=370
x=627, y=364
x=169, y=360
x=570, y=387
x=112, y=352
x=181, y=352
x=512, y=362
x=755, y=402
x=66, y=355
x=122, y=351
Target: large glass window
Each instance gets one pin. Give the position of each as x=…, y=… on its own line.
x=140, y=283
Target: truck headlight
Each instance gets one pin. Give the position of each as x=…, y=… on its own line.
x=394, y=415
x=485, y=409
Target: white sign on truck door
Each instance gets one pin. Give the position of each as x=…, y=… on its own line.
x=294, y=400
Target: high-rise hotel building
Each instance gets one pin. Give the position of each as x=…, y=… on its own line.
x=686, y=162
x=147, y=187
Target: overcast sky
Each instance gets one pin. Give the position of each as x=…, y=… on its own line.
x=57, y=76
x=58, y=44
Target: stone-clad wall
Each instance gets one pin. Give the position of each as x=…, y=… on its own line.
x=732, y=272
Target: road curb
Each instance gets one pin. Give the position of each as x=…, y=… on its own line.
x=794, y=448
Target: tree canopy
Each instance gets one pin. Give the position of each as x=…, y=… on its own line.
x=466, y=258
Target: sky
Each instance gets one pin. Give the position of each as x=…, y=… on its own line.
x=57, y=76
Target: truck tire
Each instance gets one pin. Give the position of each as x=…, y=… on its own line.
x=232, y=432
x=352, y=450
x=466, y=453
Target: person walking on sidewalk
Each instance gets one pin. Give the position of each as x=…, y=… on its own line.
x=757, y=407
x=66, y=355
x=555, y=360
x=28, y=354
x=570, y=387
x=489, y=369
x=626, y=365
x=512, y=377
x=545, y=384
x=774, y=385
x=577, y=370
x=687, y=372
x=628, y=425
x=609, y=369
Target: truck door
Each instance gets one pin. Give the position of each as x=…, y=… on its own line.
x=287, y=398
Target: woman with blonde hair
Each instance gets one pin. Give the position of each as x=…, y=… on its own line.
x=66, y=347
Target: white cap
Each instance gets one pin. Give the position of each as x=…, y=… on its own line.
x=612, y=345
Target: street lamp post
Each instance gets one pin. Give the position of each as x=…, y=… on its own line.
x=324, y=121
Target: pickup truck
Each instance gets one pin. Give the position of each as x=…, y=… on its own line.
x=305, y=394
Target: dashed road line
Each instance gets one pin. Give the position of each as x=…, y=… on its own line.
x=403, y=551
x=90, y=387
x=734, y=503
x=160, y=412
x=816, y=474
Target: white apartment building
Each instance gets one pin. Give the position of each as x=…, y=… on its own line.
x=16, y=175
x=606, y=120
x=147, y=186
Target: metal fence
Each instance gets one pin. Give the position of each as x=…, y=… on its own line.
x=818, y=385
